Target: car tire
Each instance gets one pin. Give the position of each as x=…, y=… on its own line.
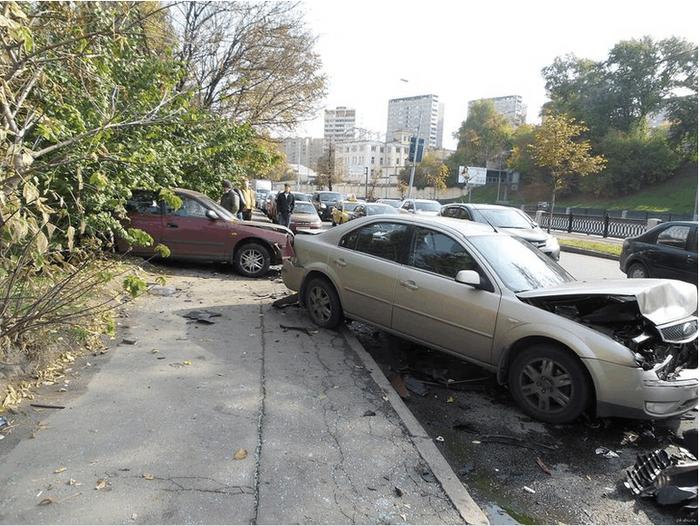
x=322, y=303
x=252, y=260
x=549, y=384
x=637, y=271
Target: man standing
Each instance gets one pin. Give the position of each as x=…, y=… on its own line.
x=285, y=206
x=230, y=200
x=247, y=201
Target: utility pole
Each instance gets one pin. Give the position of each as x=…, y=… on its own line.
x=330, y=167
x=366, y=180
x=415, y=155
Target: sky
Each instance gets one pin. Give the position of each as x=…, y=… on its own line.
x=465, y=50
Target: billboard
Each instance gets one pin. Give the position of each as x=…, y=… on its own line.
x=473, y=175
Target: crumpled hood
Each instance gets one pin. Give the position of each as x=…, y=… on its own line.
x=660, y=300
x=267, y=226
x=528, y=234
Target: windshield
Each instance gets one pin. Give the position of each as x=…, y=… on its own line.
x=380, y=209
x=390, y=202
x=505, y=218
x=350, y=206
x=330, y=197
x=520, y=266
x=304, y=208
x=428, y=206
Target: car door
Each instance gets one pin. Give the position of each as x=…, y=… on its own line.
x=145, y=213
x=670, y=259
x=431, y=306
x=690, y=268
x=189, y=233
x=366, y=263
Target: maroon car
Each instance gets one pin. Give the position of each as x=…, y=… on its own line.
x=202, y=230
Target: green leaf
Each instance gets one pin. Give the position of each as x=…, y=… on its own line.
x=162, y=250
x=134, y=285
x=99, y=180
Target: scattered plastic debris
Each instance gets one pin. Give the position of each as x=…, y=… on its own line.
x=415, y=386
x=3, y=422
x=630, y=437
x=240, y=454
x=439, y=439
x=607, y=453
x=529, y=489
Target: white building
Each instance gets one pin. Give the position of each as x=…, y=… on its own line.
x=303, y=150
x=409, y=113
x=382, y=160
x=339, y=124
x=510, y=106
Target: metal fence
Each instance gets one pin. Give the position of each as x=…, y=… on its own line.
x=605, y=225
x=621, y=214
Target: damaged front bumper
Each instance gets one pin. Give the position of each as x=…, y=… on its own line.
x=292, y=274
x=631, y=392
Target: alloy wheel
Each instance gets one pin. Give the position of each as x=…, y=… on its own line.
x=546, y=385
x=319, y=304
x=252, y=260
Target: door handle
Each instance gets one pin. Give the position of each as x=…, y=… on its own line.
x=172, y=225
x=409, y=284
x=341, y=262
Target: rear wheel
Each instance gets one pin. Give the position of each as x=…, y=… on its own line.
x=252, y=260
x=549, y=384
x=323, y=304
x=637, y=270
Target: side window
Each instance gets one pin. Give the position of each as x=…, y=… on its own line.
x=383, y=240
x=674, y=236
x=693, y=244
x=439, y=253
x=448, y=212
x=189, y=208
x=144, y=203
x=464, y=214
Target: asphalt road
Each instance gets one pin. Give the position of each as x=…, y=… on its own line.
x=587, y=268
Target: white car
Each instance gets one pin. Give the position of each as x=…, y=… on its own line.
x=421, y=207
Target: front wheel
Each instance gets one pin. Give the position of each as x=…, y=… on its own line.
x=549, y=384
x=637, y=271
x=252, y=260
x=323, y=304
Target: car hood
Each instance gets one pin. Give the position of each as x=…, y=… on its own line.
x=313, y=218
x=660, y=300
x=267, y=226
x=528, y=234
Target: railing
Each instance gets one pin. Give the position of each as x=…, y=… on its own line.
x=605, y=225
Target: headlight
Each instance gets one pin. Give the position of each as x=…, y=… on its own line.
x=552, y=243
x=323, y=206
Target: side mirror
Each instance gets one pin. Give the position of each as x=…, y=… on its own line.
x=473, y=279
x=212, y=215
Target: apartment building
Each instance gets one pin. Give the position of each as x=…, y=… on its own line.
x=423, y=114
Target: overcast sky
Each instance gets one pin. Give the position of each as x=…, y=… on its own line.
x=463, y=50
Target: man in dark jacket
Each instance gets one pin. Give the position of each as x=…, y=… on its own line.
x=285, y=206
x=230, y=200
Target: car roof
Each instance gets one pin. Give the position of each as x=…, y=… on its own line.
x=482, y=206
x=423, y=200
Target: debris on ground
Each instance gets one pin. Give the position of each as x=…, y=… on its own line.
x=439, y=439
x=415, y=386
x=369, y=413
x=102, y=484
x=670, y=478
x=287, y=301
x=201, y=316
x=3, y=422
x=308, y=330
x=397, y=382
x=543, y=466
x=509, y=440
x=159, y=290
x=529, y=489
x=607, y=453
x=630, y=437
x=129, y=341
x=48, y=406
x=149, y=476
x=240, y=454
x=398, y=492
x=465, y=469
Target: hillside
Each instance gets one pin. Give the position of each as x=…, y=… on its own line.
x=677, y=195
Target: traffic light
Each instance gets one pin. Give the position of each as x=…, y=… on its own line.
x=412, y=150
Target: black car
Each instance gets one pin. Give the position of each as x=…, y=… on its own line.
x=324, y=201
x=669, y=250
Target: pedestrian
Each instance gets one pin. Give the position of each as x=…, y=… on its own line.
x=285, y=206
x=247, y=200
x=230, y=199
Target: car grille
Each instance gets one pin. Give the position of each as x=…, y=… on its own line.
x=680, y=332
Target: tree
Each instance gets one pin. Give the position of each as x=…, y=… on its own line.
x=556, y=149
x=483, y=136
x=326, y=169
x=250, y=61
x=431, y=171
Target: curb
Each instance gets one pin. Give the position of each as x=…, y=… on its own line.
x=586, y=252
x=453, y=487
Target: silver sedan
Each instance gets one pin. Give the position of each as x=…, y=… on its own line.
x=616, y=347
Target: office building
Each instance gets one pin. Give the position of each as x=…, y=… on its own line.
x=339, y=124
x=510, y=106
x=423, y=114
x=303, y=150
x=383, y=160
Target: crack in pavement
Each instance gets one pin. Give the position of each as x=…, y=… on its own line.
x=261, y=416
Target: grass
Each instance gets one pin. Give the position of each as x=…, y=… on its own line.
x=595, y=246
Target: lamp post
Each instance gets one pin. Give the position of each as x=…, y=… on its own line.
x=415, y=155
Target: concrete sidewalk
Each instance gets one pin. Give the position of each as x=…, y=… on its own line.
x=157, y=427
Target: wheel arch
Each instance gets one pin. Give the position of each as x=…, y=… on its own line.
x=254, y=239
x=529, y=341
x=317, y=274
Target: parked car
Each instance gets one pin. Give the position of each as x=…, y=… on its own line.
x=202, y=230
x=394, y=203
x=669, y=250
x=506, y=219
x=261, y=197
x=324, y=201
x=304, y=217
x=616, y=347
x=423, y=207
x=373, y=209
x=343, y=211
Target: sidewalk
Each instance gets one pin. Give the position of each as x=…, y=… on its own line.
x=158, y=425
x=585, y=237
